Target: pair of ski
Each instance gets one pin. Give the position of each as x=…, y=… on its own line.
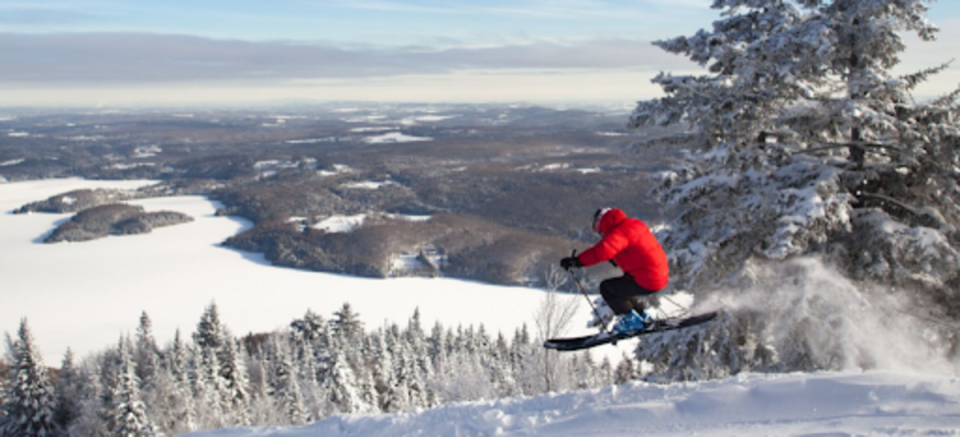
x=585, y=342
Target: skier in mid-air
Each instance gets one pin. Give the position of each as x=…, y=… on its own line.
x=631, y=246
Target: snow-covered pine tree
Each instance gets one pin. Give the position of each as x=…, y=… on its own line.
x=310, y=327
x=128, y=412
x=340, y=387
x=179, y=399
x=384, y=379
x=68, y=392
x=307, y=366
x=802, y=141
x=286, y=389
x=211, y=394
x=234, y=373
x=347, y=325
x=147, y=354
x=29, y=400
x=209, y=333
x=92, y=419
x=501, y=371
x=626, y=370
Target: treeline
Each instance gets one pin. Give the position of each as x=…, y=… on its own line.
x=313, y=369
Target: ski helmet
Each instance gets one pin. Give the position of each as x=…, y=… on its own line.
x=597, y=216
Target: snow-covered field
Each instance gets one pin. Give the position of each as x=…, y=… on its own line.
x=819, y=404
x=85, y=295
x=395, y=137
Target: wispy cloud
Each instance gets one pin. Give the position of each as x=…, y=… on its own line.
x=130, y=58
x=28, y=16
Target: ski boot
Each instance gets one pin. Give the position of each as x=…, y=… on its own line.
x=632, y=322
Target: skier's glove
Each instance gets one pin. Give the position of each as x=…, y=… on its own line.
x=570, y=262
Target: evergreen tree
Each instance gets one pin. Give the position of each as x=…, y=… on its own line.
x=804, y=142
x=129, y=416
x=286, y=388
x=310, y=327
x=93, y=414
x=211, y=390
x=147, y=353
x=347, y=325
x=29, y=399
x=209, y=333
x=68, y=392
x=340, y=387
x=179, y=397
x=626, y=371
x=234, y=373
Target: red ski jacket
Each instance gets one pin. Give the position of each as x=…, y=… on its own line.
x=631, y=245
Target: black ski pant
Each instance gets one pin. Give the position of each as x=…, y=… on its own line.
x=623, y=294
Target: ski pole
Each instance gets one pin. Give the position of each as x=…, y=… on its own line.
x=582, y=290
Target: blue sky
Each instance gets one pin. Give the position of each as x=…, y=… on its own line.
x=377, y=22
x=85, y=52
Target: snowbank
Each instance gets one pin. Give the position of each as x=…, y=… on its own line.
x=875, y=403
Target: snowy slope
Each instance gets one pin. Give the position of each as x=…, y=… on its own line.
x=875, y=403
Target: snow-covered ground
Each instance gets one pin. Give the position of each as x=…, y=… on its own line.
x=819, y=404
x=367, y=185
x=395, y=137
x=85, y=295
x=341, y=223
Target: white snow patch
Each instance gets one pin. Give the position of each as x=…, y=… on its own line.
x=537, y=168
x=411, y=262
x=365, y=119
x=260, y=165
x=7, y=117
x=341, y=224
x=87, y=138
x=590, y=170
x=12, y=162
x=410, y=121
x=373, y=129
x=748, y=405
x=611, y=134
x=124, y=166
x=367, y=185
x=432, y=118
x=313, y=140
x=275, y=164
x=337, y=169
x=395, y=137
x=409, y=218
x=18, y=134
x=68, y=200
x=147, y=152
x=554, y=167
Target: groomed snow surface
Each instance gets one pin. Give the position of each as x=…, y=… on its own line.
x=819, y=404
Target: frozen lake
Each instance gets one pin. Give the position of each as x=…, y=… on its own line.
x=85, y=295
